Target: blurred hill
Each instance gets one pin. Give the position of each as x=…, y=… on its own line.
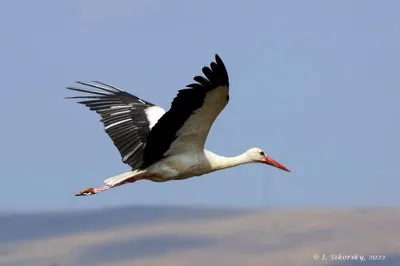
x=178, y=236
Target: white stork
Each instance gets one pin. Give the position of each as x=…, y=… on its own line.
x=162, y=146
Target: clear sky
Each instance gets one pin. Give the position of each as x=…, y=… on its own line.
x=314, y=83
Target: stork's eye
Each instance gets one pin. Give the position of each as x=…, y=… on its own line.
x=262, y=153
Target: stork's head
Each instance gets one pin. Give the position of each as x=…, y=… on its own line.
x=257, y=155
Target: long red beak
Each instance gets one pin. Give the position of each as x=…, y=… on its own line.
x=274, y=163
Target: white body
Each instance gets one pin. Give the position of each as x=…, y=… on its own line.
x=186, y=165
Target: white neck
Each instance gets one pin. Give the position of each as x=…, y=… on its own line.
x=221, y=162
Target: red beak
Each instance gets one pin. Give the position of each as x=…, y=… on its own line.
x=274, y=163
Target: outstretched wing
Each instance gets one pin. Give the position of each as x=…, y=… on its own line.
x=127, y=119
x=186, y=125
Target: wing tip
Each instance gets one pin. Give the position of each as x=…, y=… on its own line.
x=216, y=75
x=219, y=62
x=221, y=69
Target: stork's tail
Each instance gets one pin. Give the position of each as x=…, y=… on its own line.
x=114, y=181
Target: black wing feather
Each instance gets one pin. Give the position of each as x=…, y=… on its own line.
x=116, y=106
x=185, y=103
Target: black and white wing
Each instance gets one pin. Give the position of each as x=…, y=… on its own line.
x=186, y=125
x=127, y=119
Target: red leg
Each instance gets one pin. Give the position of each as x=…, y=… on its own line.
x=92, y=191
x=130, y=180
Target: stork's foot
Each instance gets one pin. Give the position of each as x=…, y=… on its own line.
x=86, y=192
x=92, y=191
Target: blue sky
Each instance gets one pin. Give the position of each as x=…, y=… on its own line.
x=313, y=83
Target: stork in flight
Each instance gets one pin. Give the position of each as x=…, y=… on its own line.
x=162, y=146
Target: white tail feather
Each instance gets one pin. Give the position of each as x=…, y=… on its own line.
x=118, y=179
